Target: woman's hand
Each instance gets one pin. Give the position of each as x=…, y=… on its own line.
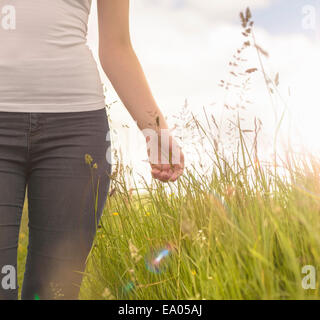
x=166, y=157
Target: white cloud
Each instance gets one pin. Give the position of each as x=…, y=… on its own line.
x=215, y=10
x=185, y=54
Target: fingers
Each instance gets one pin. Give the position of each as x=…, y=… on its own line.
x=160, y=172
x=166, y=172
x=177, y=172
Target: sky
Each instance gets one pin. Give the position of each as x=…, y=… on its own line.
x=287, y=16
x=185, y=47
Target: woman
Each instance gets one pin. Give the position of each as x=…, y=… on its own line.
x=53, y=129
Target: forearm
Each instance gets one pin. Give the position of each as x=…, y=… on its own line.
x=123, y=69
x=125, y=73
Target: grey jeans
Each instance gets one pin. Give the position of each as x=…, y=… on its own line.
x=60, y=160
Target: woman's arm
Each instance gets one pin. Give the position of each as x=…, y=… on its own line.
x=121, y=65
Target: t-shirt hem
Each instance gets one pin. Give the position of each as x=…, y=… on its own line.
x=42, y=108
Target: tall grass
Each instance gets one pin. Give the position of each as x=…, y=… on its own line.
x=241, y=230
x=228, y=239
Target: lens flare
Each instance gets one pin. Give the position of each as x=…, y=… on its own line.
x=127, y=288
x=157, y=261
x=36, y=297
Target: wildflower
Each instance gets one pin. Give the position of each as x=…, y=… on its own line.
x=88, y=158
x=201, y=238
x=115, y=213
x=193, y=272
x=148, y=214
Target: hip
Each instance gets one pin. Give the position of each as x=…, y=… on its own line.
x=52, y=137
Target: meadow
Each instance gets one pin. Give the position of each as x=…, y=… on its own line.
x=241, y=230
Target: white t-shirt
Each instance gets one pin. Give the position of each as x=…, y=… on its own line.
x=45, y=63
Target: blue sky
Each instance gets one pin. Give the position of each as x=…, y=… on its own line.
x=285, y=16
x=279, y=17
